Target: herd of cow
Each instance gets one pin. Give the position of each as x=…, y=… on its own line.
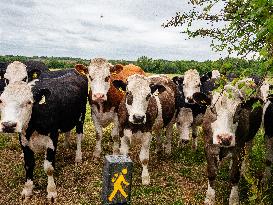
x=39, y=104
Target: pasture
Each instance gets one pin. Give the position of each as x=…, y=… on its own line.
x=175, y=180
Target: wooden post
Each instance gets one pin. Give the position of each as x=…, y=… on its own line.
x=117, y=180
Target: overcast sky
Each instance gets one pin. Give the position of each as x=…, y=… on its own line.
x=114, y=29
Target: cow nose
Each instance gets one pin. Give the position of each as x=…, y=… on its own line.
x=98, y=96
x=224, y=140
x=138, y=118
x=9, y=126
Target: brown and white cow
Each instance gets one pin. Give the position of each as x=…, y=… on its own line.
x=229, y=123
x=104, y=98
x=149, y=104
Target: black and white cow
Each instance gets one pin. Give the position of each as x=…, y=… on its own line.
x=229, y=123
x=38, y=111
x=266, y=90
x=147, y=106
x=190, y=114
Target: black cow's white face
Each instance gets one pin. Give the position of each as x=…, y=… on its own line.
x=15, y=71
x=224, y=127
x=191, y=85
x=138, y=93
x=16, y=107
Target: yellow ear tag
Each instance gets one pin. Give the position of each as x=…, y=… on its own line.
x=121, y=90
x=42, y=101
x=35, y=75
x=114, y=73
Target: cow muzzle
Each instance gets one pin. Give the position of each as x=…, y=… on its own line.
x=99, y=97
x=225, y=140
x=9, y=127
x=138, y=119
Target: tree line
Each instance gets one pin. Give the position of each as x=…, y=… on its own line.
x=160, y=66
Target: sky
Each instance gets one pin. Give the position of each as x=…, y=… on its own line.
x=112, y=29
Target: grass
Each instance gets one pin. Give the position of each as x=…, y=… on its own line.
x=175, y=180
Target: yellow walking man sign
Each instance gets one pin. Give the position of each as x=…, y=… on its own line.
x=118, y=180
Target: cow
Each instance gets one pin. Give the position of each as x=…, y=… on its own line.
x=230, y=122
x=189, y=114
x=104, y=98
x=266, y=94
x=148, y=105
x=38, y=111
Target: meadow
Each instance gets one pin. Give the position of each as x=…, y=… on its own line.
x=175, y=180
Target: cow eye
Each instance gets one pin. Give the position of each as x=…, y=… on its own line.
x=107, y=79
x=91, y=78
x=29, y=102
x=148, y=96
x=129, y=98
x=1, y=101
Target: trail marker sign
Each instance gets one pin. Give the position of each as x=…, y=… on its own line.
x=117, y=180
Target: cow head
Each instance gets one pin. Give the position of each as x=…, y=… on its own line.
x=16, y=104
x=191, y=84
x=139, y=90
x=98, y=73
x=16, y=71
x=226, y=106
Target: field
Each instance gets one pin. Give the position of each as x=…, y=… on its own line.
x=175, y=180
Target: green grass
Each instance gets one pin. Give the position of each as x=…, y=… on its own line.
x=175, y=180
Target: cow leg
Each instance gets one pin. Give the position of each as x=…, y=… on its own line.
x=144, y=157
x=67, y=139
x=212, y=159
x=269, y=159
x=158, y=133
x=79, y=131
x=29, y=167
x=169, y=137
x=49, y=165
x=98, y=127
x=237, y=157
x=125, y=141
x=245, y=162
x=115, y=135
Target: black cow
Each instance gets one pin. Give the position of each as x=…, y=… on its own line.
x=38, y=111
x=229, y=124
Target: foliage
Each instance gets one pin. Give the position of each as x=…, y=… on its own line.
x=227, y=65
x=238, y=26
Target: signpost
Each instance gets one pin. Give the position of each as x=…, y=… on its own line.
x=117, y=180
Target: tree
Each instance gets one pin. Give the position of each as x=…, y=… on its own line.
x=242, y=26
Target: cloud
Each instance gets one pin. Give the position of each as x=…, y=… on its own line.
x=117, y=29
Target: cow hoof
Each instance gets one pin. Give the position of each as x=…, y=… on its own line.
x=78, y=158
x=51, y=197
x=183, y=143
x=168, y=149
x=209, y=201
x=116, y=152
x=146, y=180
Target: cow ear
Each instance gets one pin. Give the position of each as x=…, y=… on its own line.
x=178, y=80
x=34, y=74
x=81, y=69
x=252, y=103
x=116, y=69
x=41, y=96
x=201, y=99
x=159, y=87
x=206, y=76
x=120, y=85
